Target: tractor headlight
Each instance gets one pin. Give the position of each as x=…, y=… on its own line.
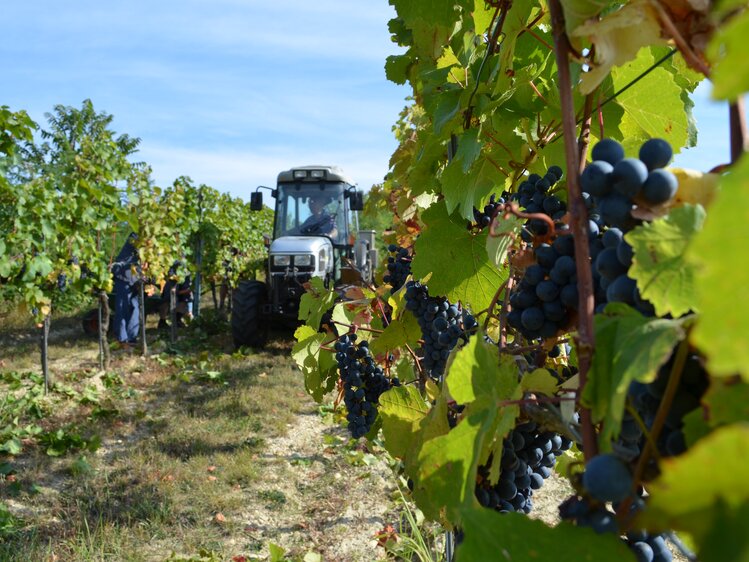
x=281, y=261
x=323, y=260
x=303, y=261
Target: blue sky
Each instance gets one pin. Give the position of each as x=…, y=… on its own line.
x=230, y=92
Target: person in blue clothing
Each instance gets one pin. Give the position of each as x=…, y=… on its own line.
x=126, y=305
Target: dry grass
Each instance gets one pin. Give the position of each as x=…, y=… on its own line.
x=196, y=456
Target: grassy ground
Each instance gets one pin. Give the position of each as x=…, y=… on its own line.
x=194, y=454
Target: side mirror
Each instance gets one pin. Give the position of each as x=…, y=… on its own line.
x=256, y=201
x=356, y=201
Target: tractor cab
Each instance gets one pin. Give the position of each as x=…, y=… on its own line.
x=315, y=234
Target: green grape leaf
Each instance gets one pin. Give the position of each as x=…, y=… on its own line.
x=654, y=108
x=404, y=370
x=663, y=274
x=539, y=380
x=727, y=539
x=315, y=302
x=401, y=331
x=444, y=464
x=469, y=148
x=462, y=190
x=343, y=313
x=489, y=535
x=696, y=486
x=447, y=465
x=317, y=365
x=402, y=408
x=695, y=427
x=470, y=277
x=446, y=107
x=430, y=22
x=476, y=378
x=725, y=402
x=476, y=374
x=722, y=276
x=396, y=68
x=577, y=12
x=629, y=347
x=498, y=246
x=730, y=75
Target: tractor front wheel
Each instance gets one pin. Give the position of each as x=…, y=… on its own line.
x=247, y=326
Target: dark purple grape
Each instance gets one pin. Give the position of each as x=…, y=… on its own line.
x=660, y=186
x=596, y=178
x=608, y=150
x=655, y=153
x=628, y=176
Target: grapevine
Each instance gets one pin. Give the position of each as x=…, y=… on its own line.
x=589, y=267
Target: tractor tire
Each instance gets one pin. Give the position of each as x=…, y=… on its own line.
x=90, y=323
x=247, y=326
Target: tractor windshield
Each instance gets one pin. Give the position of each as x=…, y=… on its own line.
x=304, y=209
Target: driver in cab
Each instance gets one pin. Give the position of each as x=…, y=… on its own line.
x=320, y=221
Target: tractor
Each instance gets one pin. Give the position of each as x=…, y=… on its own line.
x=315, y=234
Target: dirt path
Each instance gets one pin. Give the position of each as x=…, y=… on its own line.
x=332, y=506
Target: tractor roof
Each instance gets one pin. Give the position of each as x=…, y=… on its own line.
x=314, y=174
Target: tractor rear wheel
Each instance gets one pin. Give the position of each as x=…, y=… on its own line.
x=90, y=323
x=247, y=326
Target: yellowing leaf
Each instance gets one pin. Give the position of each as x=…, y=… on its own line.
x=617, y=39
x=695, y=188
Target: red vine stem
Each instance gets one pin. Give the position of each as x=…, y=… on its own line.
x=537, y=38
x=584, y=139
x=737, y=121
x=490, y=309
x=504, y=311
x=585, y=336
x=689, y=55
x=660, y=417
x=514, y=209
x=533, y=401
x=356, y=328
x=527, y=348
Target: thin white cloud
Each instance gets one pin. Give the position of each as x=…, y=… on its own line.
x=240, y=172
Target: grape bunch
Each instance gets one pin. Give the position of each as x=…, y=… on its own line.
x=399, y=267
x=617, y=183
x=584, y=512
x=483, y=218
x=534, y=197
x=543, y=302
x=442, y=325
x=528, y=458
x=646, y=399
x=363, y=383
x=607, y=481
